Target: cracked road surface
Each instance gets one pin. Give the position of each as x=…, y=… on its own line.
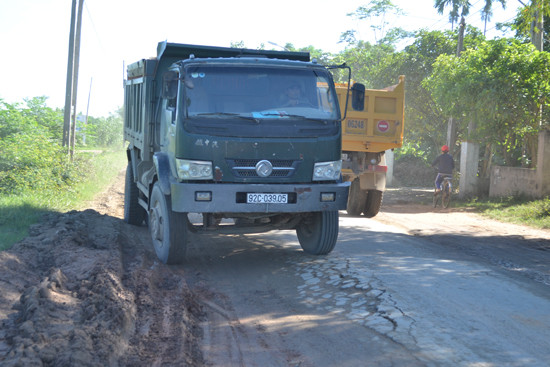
x=413, y=287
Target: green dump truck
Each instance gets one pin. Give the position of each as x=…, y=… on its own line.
x=245, y=140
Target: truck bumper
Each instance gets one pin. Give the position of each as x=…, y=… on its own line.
x=231, y=198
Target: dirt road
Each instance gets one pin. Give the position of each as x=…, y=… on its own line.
x=85, y=289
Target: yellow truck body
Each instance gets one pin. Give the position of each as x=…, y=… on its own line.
x=369, y=130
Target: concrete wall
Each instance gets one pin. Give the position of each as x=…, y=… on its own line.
x=543, y=164
x=506, y=181
x=512, y=181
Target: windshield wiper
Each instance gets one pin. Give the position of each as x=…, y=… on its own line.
x=229, y=114
x=295, y=116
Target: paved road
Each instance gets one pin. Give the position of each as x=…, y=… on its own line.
x=416, y=294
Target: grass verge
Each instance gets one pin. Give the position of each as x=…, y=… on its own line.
x=518, y=210
x=19, y=212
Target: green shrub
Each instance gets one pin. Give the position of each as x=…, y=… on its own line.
x=31, y=157
x=541, y=209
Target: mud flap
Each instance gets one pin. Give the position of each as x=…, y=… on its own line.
x=373, y=181
x=162, y=165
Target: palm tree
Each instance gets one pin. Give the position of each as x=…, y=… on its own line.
x=460, y=9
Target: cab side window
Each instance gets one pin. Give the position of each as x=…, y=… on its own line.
x=170, y=92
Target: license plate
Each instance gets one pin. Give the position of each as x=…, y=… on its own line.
x=267, y=198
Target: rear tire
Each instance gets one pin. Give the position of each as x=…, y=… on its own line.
x=356, y=199
x=318, y=232
x=374, y=203
x=446, y=195
x=133, y=212
x=169, y=229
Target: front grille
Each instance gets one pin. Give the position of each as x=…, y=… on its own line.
x=246, y=168
x=252, y=162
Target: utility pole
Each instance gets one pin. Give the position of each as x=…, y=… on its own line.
x=451, y=124
x=69, y=85
x=69, y=121
x=75, y=75
x=537, y=25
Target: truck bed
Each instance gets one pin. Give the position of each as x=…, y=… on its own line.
x=380, y=125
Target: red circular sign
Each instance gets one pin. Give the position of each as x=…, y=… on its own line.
x=383, y=126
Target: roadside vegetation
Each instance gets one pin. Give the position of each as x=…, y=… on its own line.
x=518, y=210
x=36, y=174
x=496, y=91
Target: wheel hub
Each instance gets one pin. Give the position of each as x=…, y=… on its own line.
x=155, y=221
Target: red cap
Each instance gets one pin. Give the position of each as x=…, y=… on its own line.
x=445, y=149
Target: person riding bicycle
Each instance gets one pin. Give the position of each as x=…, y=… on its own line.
x=445, y=165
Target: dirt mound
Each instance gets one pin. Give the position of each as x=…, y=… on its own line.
x=84, y=290
x=411, y=171
x=73, y=308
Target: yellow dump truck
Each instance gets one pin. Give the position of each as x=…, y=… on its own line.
x=373, y=125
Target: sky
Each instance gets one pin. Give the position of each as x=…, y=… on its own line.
x=35, y=37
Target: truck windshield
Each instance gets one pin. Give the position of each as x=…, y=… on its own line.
x=259, y=92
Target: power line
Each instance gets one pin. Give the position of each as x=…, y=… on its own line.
x=94, y=27
x=496, y=25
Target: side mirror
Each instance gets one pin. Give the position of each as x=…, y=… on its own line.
x=358, y=97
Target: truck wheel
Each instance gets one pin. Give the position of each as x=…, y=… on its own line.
x=168, y=229
x=356, y=199
x=318, y=232
x=373, y=204
x=133, y=212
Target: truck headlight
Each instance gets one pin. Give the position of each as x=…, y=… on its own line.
x=327, y=171
x=194, y=170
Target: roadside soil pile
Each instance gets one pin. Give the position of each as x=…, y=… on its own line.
x=83, y=289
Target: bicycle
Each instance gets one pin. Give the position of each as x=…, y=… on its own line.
x=445, y=193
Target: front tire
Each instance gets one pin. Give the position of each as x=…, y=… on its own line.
x=133, y=212
x=168, y=229
x=318, y=232
x=436, y=198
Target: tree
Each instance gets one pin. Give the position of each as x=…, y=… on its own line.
x=105, y=131
x=461, y=7
x=365, y=60
x=31, y=156
x=530, y=23
x=379, y=65
x=500, y=85
x=426, y=121
x=376, y=13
